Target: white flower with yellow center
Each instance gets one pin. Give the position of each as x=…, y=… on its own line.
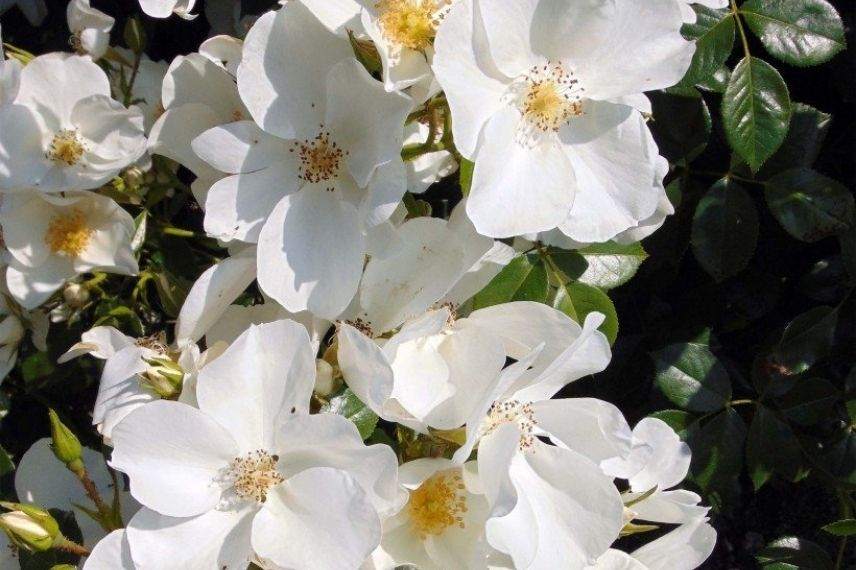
x=541, y=95
x=442, y=524
x=63, y=131
x=53, y=238
x=90, y=28
x=324, y=167
x=250, y=471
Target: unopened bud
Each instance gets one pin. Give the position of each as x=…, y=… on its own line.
x=75, y=295
x=165, y=377
x=324, y=382
x=65, y=445
x=29, y=526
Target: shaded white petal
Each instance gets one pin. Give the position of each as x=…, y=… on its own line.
x=670, y=460
x=195, y=79
x=672, y=507
x=327, y=518
x=503, y=202
x=684, y=548
x=111, y=553
x=339, y=16
x=365, y=368
x=173, y=132
x=215, y=539
x=239, y=147
x=266, y=374
x=172, y=453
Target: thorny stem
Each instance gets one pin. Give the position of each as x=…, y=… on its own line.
x=66, y=545
x=92, y=492
x=134, y=71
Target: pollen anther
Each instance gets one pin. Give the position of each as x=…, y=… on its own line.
x=66, y=147
x=254, y=474
x=68, y=233
x=438, y=503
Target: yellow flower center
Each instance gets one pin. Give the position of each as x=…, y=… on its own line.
x=512, y=412
x=69, y=233
x=548, y=97
x=254, y=474
x=320, y=158
x=66, y=147
x=410, y=23
x=438, y=503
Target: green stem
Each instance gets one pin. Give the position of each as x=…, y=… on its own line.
x=134, y=71
x=178, y=232
x=741, y=402
x=745, y=40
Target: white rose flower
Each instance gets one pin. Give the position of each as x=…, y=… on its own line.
x=542, y=91
x=90, y=28
x=250, y=466
x=166, y=8
x=63, y=131
x=326, y=167
x=43, y=480
x=53, y=238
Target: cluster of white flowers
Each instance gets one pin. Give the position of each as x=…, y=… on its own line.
x=296, y=148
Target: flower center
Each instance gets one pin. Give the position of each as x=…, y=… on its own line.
x=411, y=23
x=253, y=475
x=320, y=158
x=66, y=147
x=512, y=412
x=548, y=97
x=438, y=503
x=68, y=234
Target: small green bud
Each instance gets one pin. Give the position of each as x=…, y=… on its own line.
x=164, y=377
x=135, y=35
x=29, y=526
x=64, y=444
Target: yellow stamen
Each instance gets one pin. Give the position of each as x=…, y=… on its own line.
x=438, y=503
x=254, y=474
x=410, y=23
x=66, y=147
x=320, y=158
x=69, y=234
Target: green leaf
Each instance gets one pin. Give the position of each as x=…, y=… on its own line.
x=172, y=292
x=141, y=223
x=523, y=279
x=718, y=82
x=808, y=205
x=6, y=464
x=466, y=176
x=756, y=110
x=681, y=125
x=846, y=527
x=807, y=339
x=840, y=458
x=36, y=366
x=678, y=420
x=798, y=32
x=713, y=33
x=578, y=300
x=691, y=377
x=802, y=145
x=809, y=401
x=725, y=230
x=348, y=405
x=604, y=265
x=792, y=553
x=768, y=432
x=717, y=455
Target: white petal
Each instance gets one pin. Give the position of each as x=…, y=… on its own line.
x=22, y=147
x=311, y=253
x=237, y=206
x=195, y=79
x=684, y=548
x=327, y=518
x=100, y=342
x=32, y=286
x=266, y=374
x=503, y=202
x=215, y=539
x=364, y=119
x=670, y=460
x=54, y=84
x=610, y=149
x=212, y=294
x=239, y=147
x=617, y=560
x=111, y=553
x=671, y=507
x=282, y=76
x=329, y=440
x=557, y=521
x=339, y=16
x=172, y=134
x=473, y=85
x=424, y=265
x=509, y=29
x=120, y=390
x=364, y=367
x=172, y=452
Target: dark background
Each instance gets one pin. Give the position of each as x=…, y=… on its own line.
x=670, y=299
